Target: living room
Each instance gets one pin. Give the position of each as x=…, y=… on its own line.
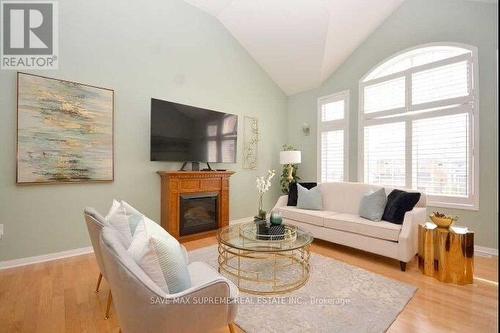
x=249, y=166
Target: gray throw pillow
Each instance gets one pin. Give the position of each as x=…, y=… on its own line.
x=309, y=199
x=372, y=205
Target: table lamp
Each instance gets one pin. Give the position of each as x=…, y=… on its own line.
x=290, y=157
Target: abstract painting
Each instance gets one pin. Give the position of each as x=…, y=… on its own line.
x=250, y=142
x=64, y=131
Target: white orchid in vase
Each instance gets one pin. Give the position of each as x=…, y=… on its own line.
x=263, y=185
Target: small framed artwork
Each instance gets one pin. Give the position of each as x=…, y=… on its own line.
x=64, y=131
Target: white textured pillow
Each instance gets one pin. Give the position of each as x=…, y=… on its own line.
x=161, y=257
x=124, y=218
x=146, y=257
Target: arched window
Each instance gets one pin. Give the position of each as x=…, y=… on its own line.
x=418, y=124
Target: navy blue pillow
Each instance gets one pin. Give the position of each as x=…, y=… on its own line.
x=398, y=203
x=292, y=192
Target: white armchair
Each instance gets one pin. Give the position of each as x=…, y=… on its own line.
x=141, y=306
x=95, y=222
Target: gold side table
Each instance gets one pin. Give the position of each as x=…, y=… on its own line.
x=446, y=254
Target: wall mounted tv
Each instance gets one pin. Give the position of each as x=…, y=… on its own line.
x=186, y=133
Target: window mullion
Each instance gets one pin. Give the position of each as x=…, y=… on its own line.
x=408, y=132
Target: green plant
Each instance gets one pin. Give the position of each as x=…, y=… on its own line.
x=284, y=183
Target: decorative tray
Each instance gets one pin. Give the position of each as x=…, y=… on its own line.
x=263, y=231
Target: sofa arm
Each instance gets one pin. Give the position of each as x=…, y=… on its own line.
x=282, y=202
x=409, y=232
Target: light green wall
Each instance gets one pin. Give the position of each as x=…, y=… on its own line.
x=164, y=49
x=169, y=50
x=419, y=22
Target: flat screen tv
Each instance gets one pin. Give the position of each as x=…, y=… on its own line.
x=186, y=133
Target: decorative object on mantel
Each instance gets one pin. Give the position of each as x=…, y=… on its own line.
x=446, y=254
x=64, y=131
x=442, y=220
x=250, y=142
x=263, y=185
x=285, y=174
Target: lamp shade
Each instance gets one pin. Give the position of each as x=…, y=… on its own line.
x=290, y=157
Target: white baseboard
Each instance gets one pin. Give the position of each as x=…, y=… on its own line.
x=485, y=251
x=45, y=257
x=70, y=253
x=478, y=250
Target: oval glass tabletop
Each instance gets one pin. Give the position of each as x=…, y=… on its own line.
x=264, y=237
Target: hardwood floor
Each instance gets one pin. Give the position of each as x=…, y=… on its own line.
x=58, y=296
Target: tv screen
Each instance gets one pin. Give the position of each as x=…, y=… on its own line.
x=186, y=133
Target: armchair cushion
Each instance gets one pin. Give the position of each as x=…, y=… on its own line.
x=202, y=274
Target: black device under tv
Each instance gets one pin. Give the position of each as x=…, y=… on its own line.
x=189, y=134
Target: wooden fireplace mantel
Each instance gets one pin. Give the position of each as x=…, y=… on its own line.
x=176, y=183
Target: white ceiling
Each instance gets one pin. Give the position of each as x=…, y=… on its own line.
x=299, y=43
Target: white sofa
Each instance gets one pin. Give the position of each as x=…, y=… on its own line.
x=340, y=223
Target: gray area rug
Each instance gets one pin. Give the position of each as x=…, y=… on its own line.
x=336, y=298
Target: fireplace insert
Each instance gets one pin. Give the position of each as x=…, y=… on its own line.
x=198, y=213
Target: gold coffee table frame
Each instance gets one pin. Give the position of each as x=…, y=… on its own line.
x=238, y=251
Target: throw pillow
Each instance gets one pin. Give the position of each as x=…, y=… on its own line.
x=398, y=203
x=146, y=257
x=161, y=257
x=372, y=205
x=118, y=219
x=292, y=192
x=309, y=199
x=134, y=216
x=172, y=263
x=124, y=218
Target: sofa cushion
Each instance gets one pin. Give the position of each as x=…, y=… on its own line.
x=398, y=203
x=303, y=215
x=292, y=192
x=355, y=224
x=344, y=197
x=372, y=205
x=309, y=199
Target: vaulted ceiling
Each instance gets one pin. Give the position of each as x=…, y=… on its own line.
x=299, y=43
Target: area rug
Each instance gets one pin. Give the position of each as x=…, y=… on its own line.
x=337, y=298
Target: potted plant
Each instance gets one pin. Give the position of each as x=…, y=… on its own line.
x=284, y=180
x=263, y=185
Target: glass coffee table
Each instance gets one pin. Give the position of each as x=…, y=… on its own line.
x=264, y=259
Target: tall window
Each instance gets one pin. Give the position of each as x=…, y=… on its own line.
x=419, y=124
x=333, y=112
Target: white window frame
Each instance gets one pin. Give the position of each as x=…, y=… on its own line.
x=338, y=124
x=398, y=115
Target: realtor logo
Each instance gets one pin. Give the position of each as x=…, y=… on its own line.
x=29, y=35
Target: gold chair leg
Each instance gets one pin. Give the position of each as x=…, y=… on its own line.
x=232, y=329
x=98, y=282
x=108, y=306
